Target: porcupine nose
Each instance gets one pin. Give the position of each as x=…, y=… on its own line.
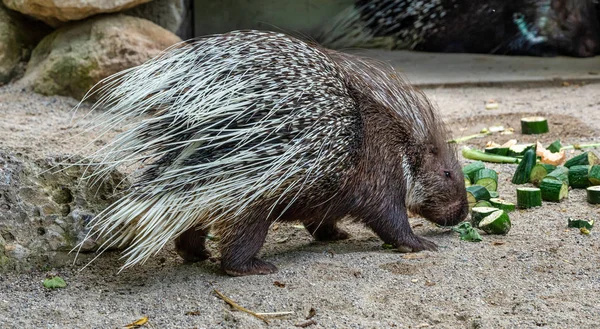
x=457, y=212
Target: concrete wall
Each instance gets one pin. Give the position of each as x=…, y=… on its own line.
x=292, y=16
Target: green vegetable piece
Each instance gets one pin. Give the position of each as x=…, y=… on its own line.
x=534, y=125
x=497, y=222
x=539, y=171
x=580, y=223
x=502, y=204
x=519, y=149
x=494, y=194
x=585, y=158
x=528, y=197
x=387, y=246
x=54, y=282
x=473, y=167
x=479, y=213
x=497, y=150
x=487, y=178
x=594, y=175
x=472, y=154
x=553, y=189
x=593, y=194
x=467, y=232
x=578, y=176
x=483, y=203
x=560, y=173
x=523, y=171
x=555, y=146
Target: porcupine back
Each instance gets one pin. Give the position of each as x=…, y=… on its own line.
x=236, y=119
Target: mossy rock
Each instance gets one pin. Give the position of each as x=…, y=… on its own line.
x=72, y=59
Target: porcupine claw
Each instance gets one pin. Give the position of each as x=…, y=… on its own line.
x=417, y=244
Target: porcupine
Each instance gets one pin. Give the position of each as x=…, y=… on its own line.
x=517, y=27
x=250, y=127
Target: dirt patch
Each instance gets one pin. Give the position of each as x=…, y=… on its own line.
x=563, y=127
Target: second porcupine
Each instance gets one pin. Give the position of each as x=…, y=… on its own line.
x=516, y=27
x=249, y=127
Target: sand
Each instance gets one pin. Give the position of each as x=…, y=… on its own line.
x=541, y=274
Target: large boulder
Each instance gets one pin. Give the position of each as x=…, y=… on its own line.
x=18, y=36
x=44, y=207
x=168, y=14
x=73, y=58
x=56, y=12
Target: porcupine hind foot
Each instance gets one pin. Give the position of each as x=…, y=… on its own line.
x=190, y=245
x=239, y=247
x=325, y=230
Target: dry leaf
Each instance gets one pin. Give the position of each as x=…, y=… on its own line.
x=279, y=284
x=137, y=323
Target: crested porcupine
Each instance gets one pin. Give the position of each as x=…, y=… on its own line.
x=248, y=127
x=516, y=27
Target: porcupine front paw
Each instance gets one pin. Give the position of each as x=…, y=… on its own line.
x=252, y=267
x=415, y=244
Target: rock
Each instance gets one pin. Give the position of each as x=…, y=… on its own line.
x=72, y=59
x=168, y=14
x=44, y=211
x=56, y=12
x=18, y=36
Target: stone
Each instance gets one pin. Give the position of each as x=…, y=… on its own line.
x=74, y=58
x=168, y=14
x=18, y=36
x=29, y=238
x=57, y=12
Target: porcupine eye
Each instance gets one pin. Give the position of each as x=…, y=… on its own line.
x=447, y=174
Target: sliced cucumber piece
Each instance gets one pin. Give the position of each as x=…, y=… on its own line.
x=539, y=171
x=553, y=189
x=497, y=222
x=593, y=194
x=585, y=158
x=497, y=150
x=483, y=203
x=560, y=173
x=479, y=213
x=528, y=197
x=534, y=125
x=487, y=178
x=518, y=150
x=476, y=193
x=523, y=170
x=578, y=176
x=594, y=175
x=473, y=167
x=502, y=204
x=555, y=146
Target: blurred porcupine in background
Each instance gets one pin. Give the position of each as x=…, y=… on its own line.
x=238, y=130
x=515, y=27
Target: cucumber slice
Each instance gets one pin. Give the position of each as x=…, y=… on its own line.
x=476, y=193
x=580, y=223
x=560, y=173
x=534, y=125
x=482, y=203
x=497, y=222
x=497, y=150
x=479, y=213
x=555, y=146
x=593, y=194
x=494, y=194
x=487, y=178
x=553, y=189
x=519, y=149
x=523, y=171
x=473, y=167
x=528, y=197
x=471, y=154
x=467, y=181
x=578, y=176
x=594, y=175
x=585, y=158
x=502, y=204
x=539, y=171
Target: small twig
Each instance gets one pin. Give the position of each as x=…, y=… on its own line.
x=275, y=314
x=306, y=323
x=238, y=307
x=466, y=138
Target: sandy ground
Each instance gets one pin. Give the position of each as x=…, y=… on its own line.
x=540, y=275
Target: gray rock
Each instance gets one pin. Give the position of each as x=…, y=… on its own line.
x=168, y=14
x=18, y=36
x=45, y=207
x=74, y=58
